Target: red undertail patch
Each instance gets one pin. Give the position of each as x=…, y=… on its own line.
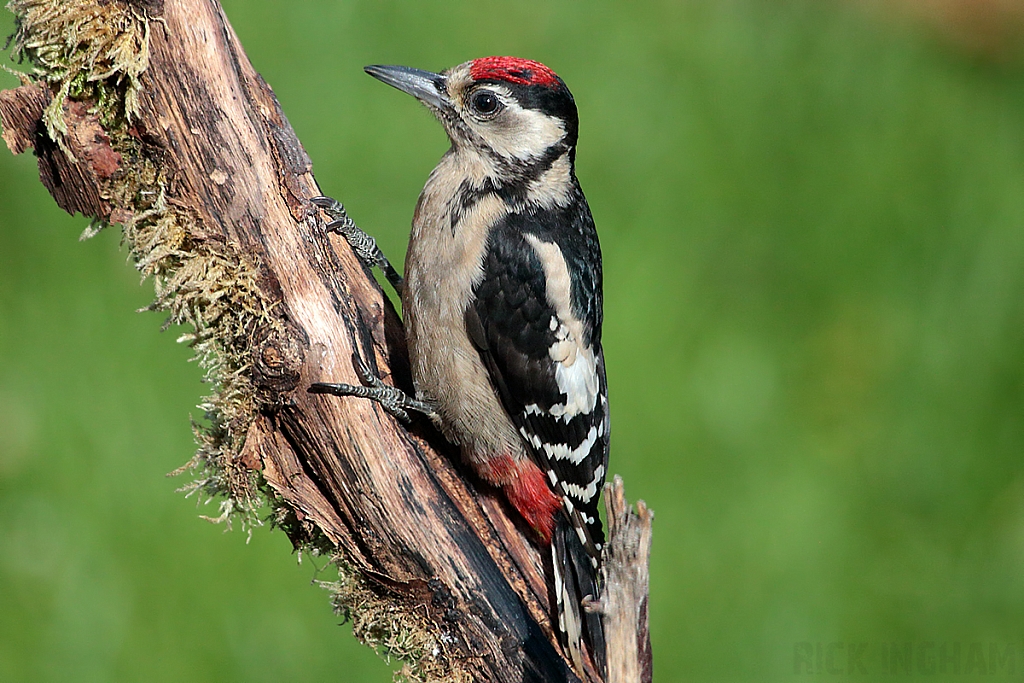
x=527, y=489
x=512, y=70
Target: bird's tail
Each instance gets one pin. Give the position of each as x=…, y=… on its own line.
x=576, y=578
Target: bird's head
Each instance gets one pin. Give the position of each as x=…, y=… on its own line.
x=515, y=110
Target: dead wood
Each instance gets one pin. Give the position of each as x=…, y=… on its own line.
x=148, y=114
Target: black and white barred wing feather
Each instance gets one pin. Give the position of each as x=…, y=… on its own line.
x=536, y=320
x=539, y=338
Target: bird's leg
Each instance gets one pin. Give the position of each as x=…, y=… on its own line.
x=391, y=398
x=364, y=246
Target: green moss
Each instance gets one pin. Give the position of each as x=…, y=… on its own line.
x=84, y=49
x=391, y=630
x=212, y=289
x=94, y=52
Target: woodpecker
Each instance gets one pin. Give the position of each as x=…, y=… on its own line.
x=502, y=306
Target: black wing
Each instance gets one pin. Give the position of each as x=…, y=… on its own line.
x=523, y=328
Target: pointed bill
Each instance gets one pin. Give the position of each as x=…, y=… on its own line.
x=425, y=86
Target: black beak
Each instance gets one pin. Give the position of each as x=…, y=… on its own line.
x=427, y=87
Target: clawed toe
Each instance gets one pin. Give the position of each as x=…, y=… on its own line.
x=331, y=205
x=391, y=398
x=362, y=243
x=381, y=393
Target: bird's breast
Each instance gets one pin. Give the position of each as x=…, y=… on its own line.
x=442, y=268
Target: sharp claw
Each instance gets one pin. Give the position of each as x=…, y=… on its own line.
x=326, y=203
x=337, y=226
x=332, y=206
x=337, y=389
x=363, y=371
x=401, y=415
x=362, y=243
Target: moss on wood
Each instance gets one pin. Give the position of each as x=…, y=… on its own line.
x=95, y=52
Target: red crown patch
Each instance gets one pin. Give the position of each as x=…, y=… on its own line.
x=512, y=70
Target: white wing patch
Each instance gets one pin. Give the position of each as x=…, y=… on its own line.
x=575, y=364
x=579, y=383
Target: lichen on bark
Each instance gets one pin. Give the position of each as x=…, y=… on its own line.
x=94, y=52
x=84, y=49
x=388, y=628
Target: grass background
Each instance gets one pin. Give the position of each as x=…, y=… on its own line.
x=813, y=229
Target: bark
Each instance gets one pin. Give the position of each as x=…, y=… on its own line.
x=198, y=162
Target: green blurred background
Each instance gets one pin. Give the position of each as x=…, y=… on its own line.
x=812, y=216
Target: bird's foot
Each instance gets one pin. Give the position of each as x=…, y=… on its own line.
x=391, y=398
x=362, y=243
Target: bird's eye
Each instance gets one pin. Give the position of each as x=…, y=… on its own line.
x=485, y=102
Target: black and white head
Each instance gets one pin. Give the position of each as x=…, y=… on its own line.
x=516, y=111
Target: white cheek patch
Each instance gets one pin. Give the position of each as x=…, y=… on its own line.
x=519, y=133
x=552, y=187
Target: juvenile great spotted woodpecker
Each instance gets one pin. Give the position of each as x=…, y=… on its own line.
x=502, y=306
